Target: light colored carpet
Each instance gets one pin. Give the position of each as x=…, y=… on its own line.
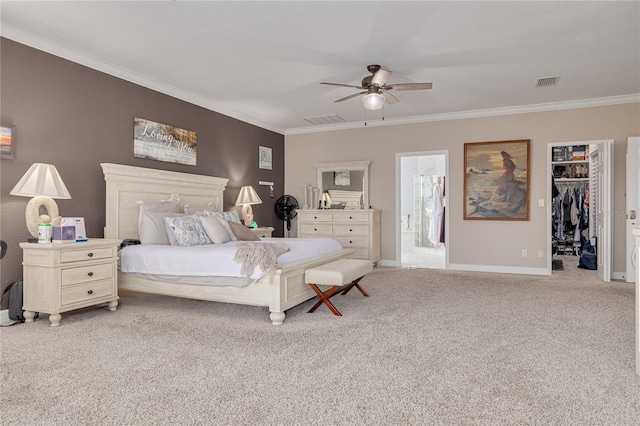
x=428, y=347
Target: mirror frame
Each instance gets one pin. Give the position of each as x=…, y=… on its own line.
x=343, y=166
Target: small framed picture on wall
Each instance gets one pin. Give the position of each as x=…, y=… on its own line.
x=7, y=142
x=265, y=158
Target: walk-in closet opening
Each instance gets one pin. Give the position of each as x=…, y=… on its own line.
x=580, y=200
x=421, y=183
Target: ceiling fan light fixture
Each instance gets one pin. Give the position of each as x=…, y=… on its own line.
x=373, y=101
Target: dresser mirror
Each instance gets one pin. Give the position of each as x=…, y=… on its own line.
x=344, y=184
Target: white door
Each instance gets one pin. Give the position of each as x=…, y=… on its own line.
x=632, y=187
x=604, y=208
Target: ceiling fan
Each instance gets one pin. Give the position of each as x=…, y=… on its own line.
x=376, y=91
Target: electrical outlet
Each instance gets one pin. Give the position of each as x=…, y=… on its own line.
x=540, y=253
x=524, y=253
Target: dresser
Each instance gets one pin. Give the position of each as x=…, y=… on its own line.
x=353, y=229
x=67, y=276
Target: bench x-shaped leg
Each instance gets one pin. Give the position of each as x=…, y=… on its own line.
x=324, y=297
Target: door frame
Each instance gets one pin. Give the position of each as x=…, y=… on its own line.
x=398, y=226
x=607, y=199
x=631, y=202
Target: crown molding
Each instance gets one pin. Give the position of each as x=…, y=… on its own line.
x=46, y=45
x=37, y=42
x=479, y=113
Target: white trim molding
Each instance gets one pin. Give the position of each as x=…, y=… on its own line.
x=498, y=269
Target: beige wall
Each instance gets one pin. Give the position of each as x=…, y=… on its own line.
x=493, y=243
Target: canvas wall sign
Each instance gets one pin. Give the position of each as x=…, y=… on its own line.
x=496, y=180
x=162, y=142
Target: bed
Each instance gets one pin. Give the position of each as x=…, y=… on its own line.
x=279, y=290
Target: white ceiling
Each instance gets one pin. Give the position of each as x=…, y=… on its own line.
x=261, y=62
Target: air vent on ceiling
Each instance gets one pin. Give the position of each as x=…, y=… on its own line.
x=547, y=81
x=324, y=119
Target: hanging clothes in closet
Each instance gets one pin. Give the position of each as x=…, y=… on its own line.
x=570, y=217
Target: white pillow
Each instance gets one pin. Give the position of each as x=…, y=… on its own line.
x=215, y=230
x=224, y=222
x=170, y=205
x=188, y=209
x=152, y=229
x=187, y=230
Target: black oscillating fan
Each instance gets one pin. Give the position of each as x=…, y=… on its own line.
x=286, y=209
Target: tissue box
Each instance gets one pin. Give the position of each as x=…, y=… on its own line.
x=64, y=234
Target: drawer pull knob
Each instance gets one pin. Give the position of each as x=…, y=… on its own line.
x=350, y=230
x=90, y=274
x=315, y=229
x=90, y=254
x=350, y=242
x=315, y=217
x=350, y=217
x=90, y=291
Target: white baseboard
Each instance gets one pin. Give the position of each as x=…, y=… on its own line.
x=498, y=269
x=619, y=276
x=4, y=318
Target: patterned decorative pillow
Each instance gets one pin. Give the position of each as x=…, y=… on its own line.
x=231, y=216
x=188, y=230
x=242, y=232
x=215, y=230
x=223, y=221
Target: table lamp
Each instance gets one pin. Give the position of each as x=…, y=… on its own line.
x=246, y=198
x=43, y=183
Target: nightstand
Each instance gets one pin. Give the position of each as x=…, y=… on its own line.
x=263, y=232
x=67, y=276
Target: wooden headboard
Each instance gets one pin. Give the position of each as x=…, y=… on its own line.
x=128, y=184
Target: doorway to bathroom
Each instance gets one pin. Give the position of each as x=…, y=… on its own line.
x=421, y=209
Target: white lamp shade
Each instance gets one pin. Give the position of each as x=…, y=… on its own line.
x=248, y=195
x=373, y=101
x=41, y=179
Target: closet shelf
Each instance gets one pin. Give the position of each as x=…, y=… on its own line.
x=571, y=180
x=571, y=162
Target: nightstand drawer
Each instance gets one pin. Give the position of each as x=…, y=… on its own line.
x=87, y=273
x=86, y=254
x=86, y=292
x=349, y=230
x=316, y=230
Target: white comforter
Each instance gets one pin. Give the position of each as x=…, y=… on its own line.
x=214, y=259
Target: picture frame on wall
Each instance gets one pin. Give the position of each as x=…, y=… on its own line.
x=497, y=180
x=265, y=157
x=163, y=142
x=7, y=142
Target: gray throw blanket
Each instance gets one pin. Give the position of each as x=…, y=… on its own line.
x=257, y=253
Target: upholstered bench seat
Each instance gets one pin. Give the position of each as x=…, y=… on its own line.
x=342, y=275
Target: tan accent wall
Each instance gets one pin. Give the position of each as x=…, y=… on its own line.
x=472, y=242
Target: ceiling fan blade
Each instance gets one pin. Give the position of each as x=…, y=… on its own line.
x=342, y=85
x=410, y=86
x=350, y=96
x=381, y=77
x=389, y=98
